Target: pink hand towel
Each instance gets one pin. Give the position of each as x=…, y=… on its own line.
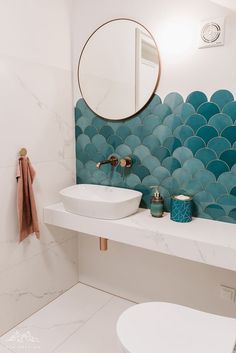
x=26, y=207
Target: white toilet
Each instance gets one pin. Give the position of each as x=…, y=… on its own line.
x=158, y=327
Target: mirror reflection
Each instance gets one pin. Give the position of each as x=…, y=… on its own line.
x=119, y=69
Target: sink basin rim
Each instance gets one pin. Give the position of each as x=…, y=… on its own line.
x=95, y=203
x=68, y=192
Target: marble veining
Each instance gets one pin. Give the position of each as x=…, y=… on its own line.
x=36, y=112
x=46, y=112
x=30, y=292
x=202, y=240
x=96, y=314
x=56, y=324
x=18, y=293
x=65, y=126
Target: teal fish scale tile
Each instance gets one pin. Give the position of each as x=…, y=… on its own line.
x=184, y=147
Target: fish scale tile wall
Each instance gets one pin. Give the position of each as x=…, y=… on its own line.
x=185, y=147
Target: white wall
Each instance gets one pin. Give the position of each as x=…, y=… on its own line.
x=36, y=113
x=142, y=275
x=175, y=27
x=131, y=272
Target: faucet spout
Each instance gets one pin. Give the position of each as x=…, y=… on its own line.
x=113, y=161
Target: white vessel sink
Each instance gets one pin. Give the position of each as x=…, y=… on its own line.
x=98, y=201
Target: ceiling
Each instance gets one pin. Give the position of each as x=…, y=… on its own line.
x=230, y=4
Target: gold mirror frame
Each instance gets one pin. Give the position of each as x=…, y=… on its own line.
x=157, y=78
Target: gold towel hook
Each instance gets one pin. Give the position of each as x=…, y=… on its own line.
x=23, y=152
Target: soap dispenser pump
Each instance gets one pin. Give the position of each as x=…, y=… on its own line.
x=157, y=203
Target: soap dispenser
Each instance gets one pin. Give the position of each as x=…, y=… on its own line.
x=157, y=203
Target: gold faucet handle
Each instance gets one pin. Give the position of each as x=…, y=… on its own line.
x=126, y=162
x=113, y=161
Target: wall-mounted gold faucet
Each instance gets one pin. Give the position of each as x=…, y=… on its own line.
x=113, y=161
x=125, y=162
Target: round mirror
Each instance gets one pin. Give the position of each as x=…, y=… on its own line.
x=119, y=68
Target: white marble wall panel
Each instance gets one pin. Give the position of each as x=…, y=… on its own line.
x=36, y=112
x=26, y=287
x=38, y=31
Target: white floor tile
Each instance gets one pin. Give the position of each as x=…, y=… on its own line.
x=45, y=330
x=98, y=335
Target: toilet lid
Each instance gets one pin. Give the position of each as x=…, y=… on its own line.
x=158, y=327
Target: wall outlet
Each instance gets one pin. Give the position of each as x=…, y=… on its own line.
x=227, y=293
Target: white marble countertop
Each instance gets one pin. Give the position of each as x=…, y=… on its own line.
x=206, y=241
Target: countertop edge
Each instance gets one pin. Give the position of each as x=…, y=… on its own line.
x=205, y=241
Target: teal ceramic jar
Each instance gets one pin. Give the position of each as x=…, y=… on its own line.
x=181, y=208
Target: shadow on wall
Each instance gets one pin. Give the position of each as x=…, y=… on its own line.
x=184, y=147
